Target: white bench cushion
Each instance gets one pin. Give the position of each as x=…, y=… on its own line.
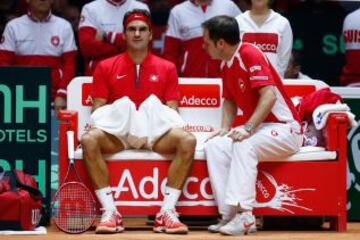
x=305, y=154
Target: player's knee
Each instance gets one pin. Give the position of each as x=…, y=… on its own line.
x=212, y=144
x=88, y=140
x=187, y=143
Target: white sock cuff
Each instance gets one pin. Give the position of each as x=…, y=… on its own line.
x=106, y=198
x=171, y=190
x=171, y=197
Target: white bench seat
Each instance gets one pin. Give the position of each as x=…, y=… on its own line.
x=305, y=154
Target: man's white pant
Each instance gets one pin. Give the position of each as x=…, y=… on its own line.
x=138, y=128
x=233, y=165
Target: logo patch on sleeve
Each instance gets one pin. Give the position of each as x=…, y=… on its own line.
x=255, y=68
x=263, y=78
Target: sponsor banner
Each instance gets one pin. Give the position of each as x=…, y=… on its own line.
x=200, y=95
x=86, y=98
x=25, y=123
x=267, y=42
x=198, y=128
x=138, y=188
x=192, y=95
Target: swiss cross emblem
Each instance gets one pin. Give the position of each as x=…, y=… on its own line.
x=89, y=100
x=154, y=78
x=242, y=84
x=274, y=133
x=55, y=40
x=184, y=30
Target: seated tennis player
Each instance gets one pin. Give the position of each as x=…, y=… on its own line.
x=135, y=98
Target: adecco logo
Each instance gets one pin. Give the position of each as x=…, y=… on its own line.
x=267, y=42
x=86, y=98
x=200, y=95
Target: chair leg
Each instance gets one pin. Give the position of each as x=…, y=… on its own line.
x=338, y=223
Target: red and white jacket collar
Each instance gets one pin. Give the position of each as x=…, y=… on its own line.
x=35, y=19
x=116, y=3
x=196, y=4
x=235, y=55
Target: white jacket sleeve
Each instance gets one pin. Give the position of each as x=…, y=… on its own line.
x=173, y=27
x=8, y=38
x=234, y=9
x=286, y=42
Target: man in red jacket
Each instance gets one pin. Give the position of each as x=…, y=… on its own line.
x=271, y=126
x=40, y=38
x=101, y=30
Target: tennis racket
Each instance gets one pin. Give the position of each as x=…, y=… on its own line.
x=73, y=205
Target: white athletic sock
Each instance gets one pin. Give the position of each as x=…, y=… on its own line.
x=229, y=212
x=106, y=198
x=171, y=197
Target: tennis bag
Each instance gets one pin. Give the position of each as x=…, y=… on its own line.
x=21, y=202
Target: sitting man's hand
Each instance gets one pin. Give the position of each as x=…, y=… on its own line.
x=238, y=134
x=220, y=132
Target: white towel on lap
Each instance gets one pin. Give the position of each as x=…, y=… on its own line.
x=153, y=120
x=141, y=128
x=115, y=118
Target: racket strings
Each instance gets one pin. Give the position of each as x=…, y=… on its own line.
x=74, y=208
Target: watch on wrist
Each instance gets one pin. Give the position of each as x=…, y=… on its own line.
x=248, y=127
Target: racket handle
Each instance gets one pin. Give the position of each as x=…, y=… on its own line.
x=70, y=143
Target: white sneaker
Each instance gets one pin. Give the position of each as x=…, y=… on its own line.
x=111, y=222
x=242, y=224
x=215, y=228
x=167, y=221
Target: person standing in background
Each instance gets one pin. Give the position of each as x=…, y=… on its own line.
x=183, y=37
x=101, y=30
x=350, y=75
x=41, y=39
x=293, y=70
x=269, y=31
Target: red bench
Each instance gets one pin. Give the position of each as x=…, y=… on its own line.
x=311, y=182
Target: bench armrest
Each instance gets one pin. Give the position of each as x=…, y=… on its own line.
x=336, y=132
x=68, y=120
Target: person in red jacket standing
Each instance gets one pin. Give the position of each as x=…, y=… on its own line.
x=40, y=38
x=101, y=30
x=183, y=38
x=350, y=75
